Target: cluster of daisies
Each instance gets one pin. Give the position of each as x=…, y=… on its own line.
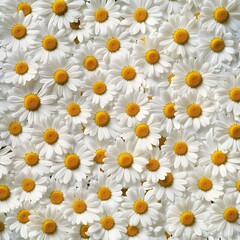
x=119, y=119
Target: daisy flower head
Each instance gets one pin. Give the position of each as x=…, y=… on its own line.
x=150, y=58
x=178, y=36
x=141, y=18
x=233, y=185
x=6, y=155
x=78, y=232
x=20, y=68
x=102, y=15
x=131, y=108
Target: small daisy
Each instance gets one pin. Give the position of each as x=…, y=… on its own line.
x=178, y=36
x=52, y=137
x=19, y=68
x=131, y=108
x=137, y=232
x=5, y=232
x=150, y=58
x=102, y=15
x=233, y=185
x=78, y=232
x=181, y=148
x=6, y=155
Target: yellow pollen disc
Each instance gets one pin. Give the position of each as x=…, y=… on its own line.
x=90, y=63
x=31, y=159
x=219, y=157
x=50, y=136
x=15, y=128
x=170, y=77
x=99, y=88
x=102, y=118
x=180, y=148
x=142, y=130
x=181, y=36
x=99, y=156
x=132, y=230
x=19, y=31
x=49, y=43
x=125, y=160
x=75, y=25
x=187, y=218
x=104, y=193
x=234, y=131
x=61, y=77
x=169, y=110
x=205, y=184
x=4, y=192
x=21, y=68
x=234, y=94
x=231, y=214
x=59, y=7
x=217, y=45
x=140, y=206
x=72, y=161
x=238, y=185
x=152, y=56
x=83, y=230
x=194, y=110
x=107, y=222
x=197, y=14
x=101, y=15
x=153, y=165
x=194, y=79
x=25, y=7
x=128, y=73
x=79, y=206
x=132, y=109
x=23, y=215
x=140, y=15
x=113, y=45
x=32, y=102
x=28, y=184
x=221, y=15
x=49, y=226
x=2, y=226
x=168, y=181
x=162, y=140
x=73, y=109
x=56, y=197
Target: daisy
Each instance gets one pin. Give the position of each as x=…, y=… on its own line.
x=233, y=185
x=18, y=31
x=181, y=148
x=61, y=76
x=141, y=17
x=102, y=15
x=6, y=155
x=140, y=207
x=131, y=108
x=146, y=133
x=59, y=12
x=31, y=102
x=20, y=68
x=178, y=36
x=4, y=231
x=78, y=232
x=137, y=232
x=150, y=58
x=124, y=162
x=125, y=75
x=52, y=137
x=98, y=89
x=47, y=223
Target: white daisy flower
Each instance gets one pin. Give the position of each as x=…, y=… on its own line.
x=52, y=137
x=141, y=207
x=137, y=232
x=178, y=36
x=18, y=31
x=19, y=68
x=150, y=58
x=125, y=75
x=59, y=12
x=233, y=185
x=6, y=156
x=102, y=15
x=181, y=148
x=5, y=232
x=141, y=17
x=78, y=232
x=131, y=108
x=31, y=102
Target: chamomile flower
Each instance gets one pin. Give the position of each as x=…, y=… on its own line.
x=102, y=15
x=131, y=108
x=20, y=68
x=59, y=12
x=150, y=58
x=137, y=232
x=4, y=231
x=178, y=36
x=233, y=185
x=5, y=160
x=78, y=232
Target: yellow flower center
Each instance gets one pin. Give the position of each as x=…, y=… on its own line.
x=90, y=63
x=219, y=157
x=23, y=215
x=205, y=184
x=152, y=56
x=231, y=214
x=170, y=78
x=99, y=156
x=132, y=109
x=107, y=222
x=128, y=73
x=194, y=110
x=21, y=68
x=238, y=185
x=140, y=206
x=59, y=7
x=102, y=118
x=234, y=94
x=83, y=230
x=25, y=7
x=72, y=161
x=125, y=160
x=49, y=43
x=75, y=25
x=142, y=130
x=140, y=15
x=4, y=192
x=49, y=226
x=113, y=45
x=15, y=128
x=101, y=15
x=19, y=31
x=99, y=88
x=180, y=148
x=221, y=15
x=217, y=45
x=153, y=165
x=181, y=36
x=32, y=102
x=56, y=197
x=2, y=226
x=28, y=184
x=50, y=136
x=132, y=230
x=79, y=206
x=169, y=110
x=31, y=159
x=194, y=79
x=162, y=140
x=234, y=131
x=104, y=193
x=168, y=181
x=187, y=218
x=73, y=109
x=61, y=77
